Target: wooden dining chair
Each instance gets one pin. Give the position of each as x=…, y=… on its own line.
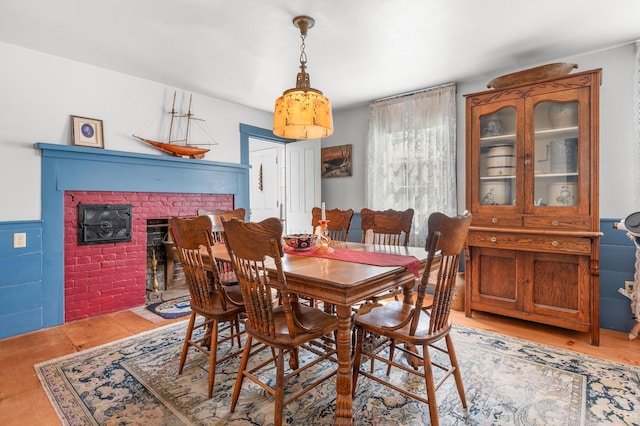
x=419, y=326
x=216, y=219
x=338, y=226
x=220, y=305
x=225, y=268
x=172, y=254
x=339, y=222
x=386, y=227
x=275, y=318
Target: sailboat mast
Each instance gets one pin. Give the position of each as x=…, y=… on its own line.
x=186, y=135
x=173, y=114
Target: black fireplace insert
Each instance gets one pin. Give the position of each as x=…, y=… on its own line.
x=104, y=223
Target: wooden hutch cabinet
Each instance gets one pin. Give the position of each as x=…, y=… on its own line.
x=532, y=187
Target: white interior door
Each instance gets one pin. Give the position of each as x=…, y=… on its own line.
x=265, y=199
x=284, y=182
x=303, y=186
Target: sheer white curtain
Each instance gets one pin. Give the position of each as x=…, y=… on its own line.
x=411, y=156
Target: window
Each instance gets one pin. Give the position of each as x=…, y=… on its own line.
x=411, y=156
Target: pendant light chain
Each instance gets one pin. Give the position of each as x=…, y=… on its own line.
x=303, y=54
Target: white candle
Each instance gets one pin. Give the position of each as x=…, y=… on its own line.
x=324, y=217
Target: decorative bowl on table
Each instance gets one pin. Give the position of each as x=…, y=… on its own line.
x=300, y=241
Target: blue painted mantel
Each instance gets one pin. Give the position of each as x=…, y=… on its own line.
x=66, y=168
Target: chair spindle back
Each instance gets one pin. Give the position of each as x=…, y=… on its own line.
x=389, y=227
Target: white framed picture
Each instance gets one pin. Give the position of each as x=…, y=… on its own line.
x=87, y=131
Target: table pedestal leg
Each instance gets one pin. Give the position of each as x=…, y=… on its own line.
x=344, y=403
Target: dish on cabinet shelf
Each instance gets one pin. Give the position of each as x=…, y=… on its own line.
x=495, y=193
x=563, y=194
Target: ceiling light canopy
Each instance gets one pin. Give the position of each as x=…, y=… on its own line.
x=303, y=112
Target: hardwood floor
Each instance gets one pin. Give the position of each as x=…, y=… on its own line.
x=24, y=402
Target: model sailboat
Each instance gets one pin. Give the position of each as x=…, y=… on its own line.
x=178, y=140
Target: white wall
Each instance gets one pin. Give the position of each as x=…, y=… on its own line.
x=351, y=126
x=40, y=92
x=619, y=168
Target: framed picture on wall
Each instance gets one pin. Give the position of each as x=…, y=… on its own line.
x=87, y=131
x=336, y=161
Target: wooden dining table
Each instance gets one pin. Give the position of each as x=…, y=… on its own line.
x=344, y=284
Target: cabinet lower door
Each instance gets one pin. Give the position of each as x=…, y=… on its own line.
x=550, y=288
x=557, y=286
x=494, y=280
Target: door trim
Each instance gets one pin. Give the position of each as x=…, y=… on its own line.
x=247, y=131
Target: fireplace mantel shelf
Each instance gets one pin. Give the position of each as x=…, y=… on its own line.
x=96, y=154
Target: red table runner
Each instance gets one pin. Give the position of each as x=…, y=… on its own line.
x=411, y=263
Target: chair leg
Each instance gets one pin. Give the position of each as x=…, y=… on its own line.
x=392, y=352
x=456, y=373
x=213, y=353
x=357, y=356
x=294, y=362
x=279, y=396
x=431, y=389
x=187, y=338
x=236, y=320
x=243, y=366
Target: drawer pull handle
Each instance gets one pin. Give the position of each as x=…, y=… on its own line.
x=493, y=239
x=554, y=223
x=555, y=243
x=527, y=162
x=494, y=220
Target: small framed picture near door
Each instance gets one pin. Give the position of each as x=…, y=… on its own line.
x=87, y=132
x=336, y=161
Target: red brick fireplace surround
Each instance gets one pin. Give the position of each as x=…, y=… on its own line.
x=104, y=278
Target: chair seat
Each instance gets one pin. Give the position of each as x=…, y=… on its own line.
x=393, y=313
x=234, y=294
x=320, y=322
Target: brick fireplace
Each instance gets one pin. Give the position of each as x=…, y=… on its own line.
x=104, y=278
x=79, y=281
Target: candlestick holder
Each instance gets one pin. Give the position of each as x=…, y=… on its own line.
x=155, y=293
x=324, y=241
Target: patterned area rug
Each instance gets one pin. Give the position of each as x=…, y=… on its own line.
x=174, y=308
x=508, y=382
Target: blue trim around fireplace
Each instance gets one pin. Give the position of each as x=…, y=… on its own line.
x=67, y=168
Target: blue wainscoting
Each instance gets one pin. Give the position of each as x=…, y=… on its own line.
x=21, y=302
x=617, y=265
x=355, y=231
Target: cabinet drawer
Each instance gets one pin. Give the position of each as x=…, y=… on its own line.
x=501, y=221
x=527, y=242
x=572, y=223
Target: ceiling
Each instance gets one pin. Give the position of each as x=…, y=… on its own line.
x=247, y=51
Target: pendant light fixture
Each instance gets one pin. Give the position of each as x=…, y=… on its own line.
x=303, y=112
